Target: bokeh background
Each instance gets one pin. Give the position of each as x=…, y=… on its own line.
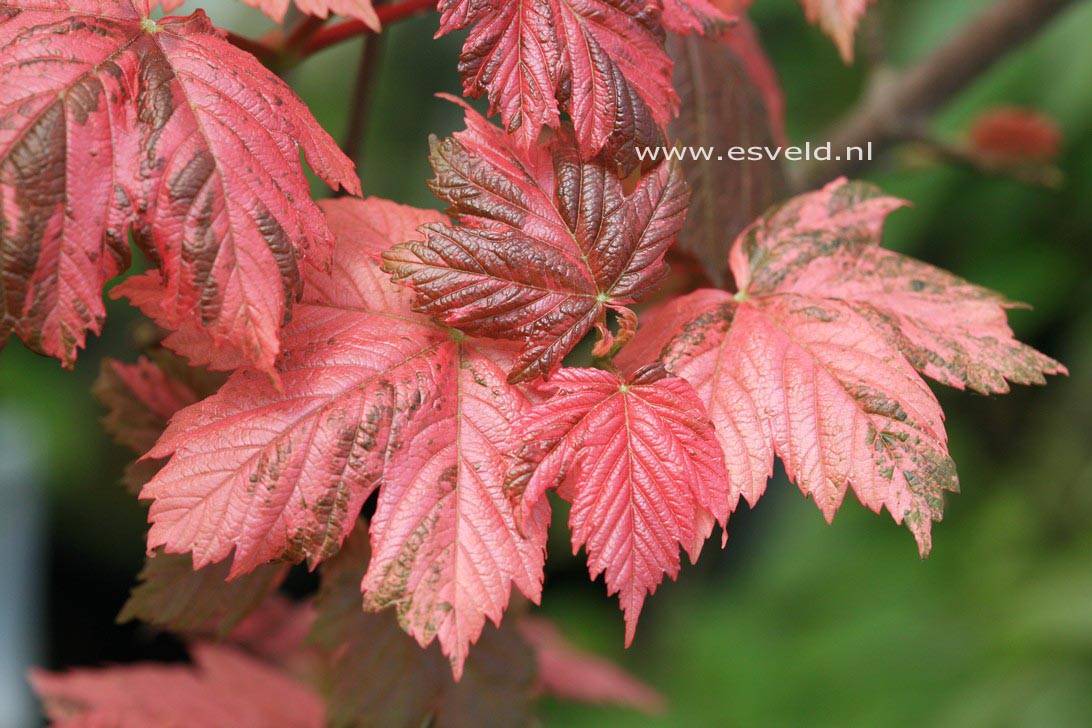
x=795, y=623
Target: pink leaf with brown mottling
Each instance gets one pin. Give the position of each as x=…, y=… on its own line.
x=370, y=393
x=168, y=129
x=827, y=244
x=814, y=359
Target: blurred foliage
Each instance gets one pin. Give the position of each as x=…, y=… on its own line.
x=795, y=623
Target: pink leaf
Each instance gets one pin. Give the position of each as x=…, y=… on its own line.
x=814, y=358
x=826, y=244
x=224, y=689
x=166, y=128
x=369, y=392
x=639, y=461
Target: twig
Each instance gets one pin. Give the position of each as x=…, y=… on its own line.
x=896, y=104
x=335, y=34
x=1036, y=174
x=361, y=104
x=303, y=31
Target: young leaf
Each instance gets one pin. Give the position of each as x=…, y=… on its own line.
x=1016, y=135
x=223, y=689
x=166, y=128
x=377, y=675
x=810, y=359
x=838, y=19
x=600, y=61
x=546, y=246
x=369, y=391
x=639, y=461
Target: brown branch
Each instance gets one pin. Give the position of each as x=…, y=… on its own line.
x=363, y=92
x=895, y=105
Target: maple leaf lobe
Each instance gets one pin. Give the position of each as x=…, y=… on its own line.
x=639, y=461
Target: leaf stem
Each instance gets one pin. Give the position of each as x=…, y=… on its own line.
x=268, y=55
x=343, y=31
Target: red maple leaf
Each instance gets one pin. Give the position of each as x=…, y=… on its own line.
x=814, y=359
x=546, y=244
x=369, y=391
x=601, y=61
x=168, y=129
x=640, y=464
